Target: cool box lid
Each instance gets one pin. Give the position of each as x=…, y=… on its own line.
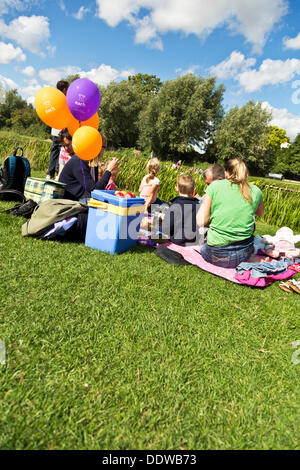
x=108, y=196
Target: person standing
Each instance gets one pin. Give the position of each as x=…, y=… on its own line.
x=53, y=168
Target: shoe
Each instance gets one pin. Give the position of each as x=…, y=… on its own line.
x=48, y=177
x=56, y=178
x=294, y=285
x=284, y=286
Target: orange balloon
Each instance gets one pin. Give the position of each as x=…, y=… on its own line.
x=87, y=142
x=74, y=124
x=51, y=107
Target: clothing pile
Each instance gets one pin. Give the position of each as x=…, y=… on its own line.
x=281, y=262
x=264, y=273
x=281, y=245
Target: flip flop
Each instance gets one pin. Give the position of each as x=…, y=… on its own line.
x=284, y=286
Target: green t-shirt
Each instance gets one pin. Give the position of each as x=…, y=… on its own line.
x=232, y=216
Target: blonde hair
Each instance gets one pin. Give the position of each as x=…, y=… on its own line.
x=95, y=162
x=186, y=184
x=101, y=169
x=237, y=173
x=152, y=168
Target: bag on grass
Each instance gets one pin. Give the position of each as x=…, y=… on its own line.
x=49, y=212
x=11, y=195
x=23, y=210
x=41, y=189
x=14, y=171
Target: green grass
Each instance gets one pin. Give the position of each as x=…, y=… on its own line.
x=128, y=352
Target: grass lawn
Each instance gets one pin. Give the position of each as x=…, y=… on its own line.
x=127, y=352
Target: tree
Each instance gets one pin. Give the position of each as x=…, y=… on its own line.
x=147, y=83
x=13, y=102
x=242, y=134
x=71, y=78
x=121, y=104
x=16, y=114
x=289, y=163
x=183, y=113
x=274, y=137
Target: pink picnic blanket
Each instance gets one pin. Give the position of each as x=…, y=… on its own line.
x=193, y=256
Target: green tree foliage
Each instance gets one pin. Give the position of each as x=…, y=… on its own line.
x=121, y=104
x=146, y=83
x=16, y=114
x=288, y=160
x=242, y=134
x=71, y=78
x=274, y=137
x=183, y=113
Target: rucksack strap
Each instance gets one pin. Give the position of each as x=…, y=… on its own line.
x=16, y=151
x=27, y=167
x=12, y=169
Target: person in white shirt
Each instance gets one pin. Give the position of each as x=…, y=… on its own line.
x=53, y=168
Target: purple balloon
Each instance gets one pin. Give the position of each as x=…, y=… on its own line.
x=83, y=98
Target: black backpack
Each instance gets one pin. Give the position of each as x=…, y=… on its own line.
x=14, y=171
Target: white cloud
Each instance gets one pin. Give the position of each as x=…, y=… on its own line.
x=9, y=53
x=103, y=75
x=284, y=119
x=292, y=43
x=191, y=69
x=254, y=19
x=19, y=5
x=52, y=75
x=270, y=72
x=7, y=83
x=28, y=92
x=230, y=67
x=29, y=71
x=146, y=33
x=31, y=32
x=81, y=12
x=62, y=5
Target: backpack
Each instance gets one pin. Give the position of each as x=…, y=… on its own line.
x=14, y=171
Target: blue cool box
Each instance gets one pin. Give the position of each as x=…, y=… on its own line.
x=113, y=222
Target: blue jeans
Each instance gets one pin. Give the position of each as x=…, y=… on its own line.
x=228, y=256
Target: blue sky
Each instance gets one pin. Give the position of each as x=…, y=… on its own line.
x=252, y=46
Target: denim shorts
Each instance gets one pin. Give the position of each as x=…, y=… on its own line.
x=228, y=256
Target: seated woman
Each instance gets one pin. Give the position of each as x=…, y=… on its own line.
x=77, y=173
x=230, y=206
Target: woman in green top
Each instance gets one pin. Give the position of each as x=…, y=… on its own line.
x=230, y=206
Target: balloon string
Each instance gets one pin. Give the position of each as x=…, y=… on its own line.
x=85, y=191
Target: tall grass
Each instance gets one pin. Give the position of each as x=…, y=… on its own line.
x=282, y=204
x=36, y=150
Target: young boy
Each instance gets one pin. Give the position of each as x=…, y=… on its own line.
x=179, y=223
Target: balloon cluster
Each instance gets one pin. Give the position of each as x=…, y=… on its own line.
x=76, y=111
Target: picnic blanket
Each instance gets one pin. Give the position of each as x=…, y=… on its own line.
x=193, y=256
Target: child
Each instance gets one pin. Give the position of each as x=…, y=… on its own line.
x=111, y=184
x=179, y=223
x=149, y=186
x=66, y=150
